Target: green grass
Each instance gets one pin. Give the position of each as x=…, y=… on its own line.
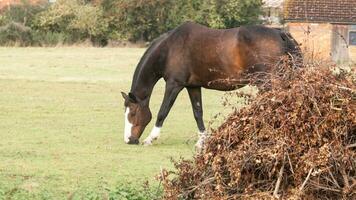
x=62, y=118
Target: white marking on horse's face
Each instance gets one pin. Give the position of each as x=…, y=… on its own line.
x=128, y=126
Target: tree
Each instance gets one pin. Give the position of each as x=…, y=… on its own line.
x=230, y=13
x=76, y=18
x=146, y=19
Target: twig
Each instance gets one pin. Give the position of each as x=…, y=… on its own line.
x=160, y=181
x=334, y=108
x=353, y=185
x=306, y=179
x=344, y=88
x=205, y=182
x=351, y=146
x=326, y=188
x=316, y=106
x=279, y=180
x=334, y=180
x=345, y=177
x=290, y=163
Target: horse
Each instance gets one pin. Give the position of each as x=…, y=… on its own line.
x=193, y=56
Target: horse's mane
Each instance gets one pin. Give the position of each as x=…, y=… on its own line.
x=152, y=47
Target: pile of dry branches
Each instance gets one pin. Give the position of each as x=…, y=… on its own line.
x=295, y=141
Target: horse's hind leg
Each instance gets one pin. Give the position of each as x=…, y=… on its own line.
x=170, y=95
x=196, y=100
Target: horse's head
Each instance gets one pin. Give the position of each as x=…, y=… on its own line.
x=137, y=116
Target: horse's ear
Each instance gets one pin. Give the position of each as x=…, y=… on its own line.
x=124, y=95
x=132, y=98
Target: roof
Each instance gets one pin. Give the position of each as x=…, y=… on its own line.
x=332, y=11
x=273, y=3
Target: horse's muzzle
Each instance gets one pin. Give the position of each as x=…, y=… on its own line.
x=133, y=141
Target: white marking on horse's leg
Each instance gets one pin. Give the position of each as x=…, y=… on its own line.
x=200, y=143
x=128, y=126
x=155, y=133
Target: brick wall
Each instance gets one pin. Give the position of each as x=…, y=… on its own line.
x=315, y=39
x=324, y=41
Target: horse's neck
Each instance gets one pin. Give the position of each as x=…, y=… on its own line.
x=147, y=72
x=143, y=83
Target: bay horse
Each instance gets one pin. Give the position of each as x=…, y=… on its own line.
x=193, y=56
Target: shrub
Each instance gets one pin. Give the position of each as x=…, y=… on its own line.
x=57, y=17
x=90, y=23
x=47, y=38
x=230, y=13
x=74, y=19
x=21, y=13
x=3, y=20
x=15, y=34
x=142, y=20
x=146, y=19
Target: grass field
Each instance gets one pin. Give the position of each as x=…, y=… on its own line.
x=62, y=118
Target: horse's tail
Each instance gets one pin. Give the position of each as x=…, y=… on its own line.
x=291, y=46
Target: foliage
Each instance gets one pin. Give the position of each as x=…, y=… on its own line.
x=15, y=34
x=146, y=19
x=229, y=13
x=3, y=20
x=22, y=13
x=75, y=19
x=57, y=17
x=15, y=22
x=134, y=20
x=143, y=20
x=48, y=38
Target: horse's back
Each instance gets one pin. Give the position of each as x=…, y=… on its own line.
x=198, y=55
x=259, y=47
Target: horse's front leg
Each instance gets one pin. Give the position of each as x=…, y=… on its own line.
x=170, y=95
x=196, y=100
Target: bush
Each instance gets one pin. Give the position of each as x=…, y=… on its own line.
x=74, y=19
x=142, y=20
x=47, y=38
x=22, y=13
x=145, y=20
x=230, y=13
x=15, y=34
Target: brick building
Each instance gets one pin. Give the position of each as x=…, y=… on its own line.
x=326, y=27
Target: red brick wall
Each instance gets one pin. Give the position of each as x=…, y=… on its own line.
x=315, y=39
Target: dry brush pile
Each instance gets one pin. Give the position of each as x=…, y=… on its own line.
x=294, y=141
